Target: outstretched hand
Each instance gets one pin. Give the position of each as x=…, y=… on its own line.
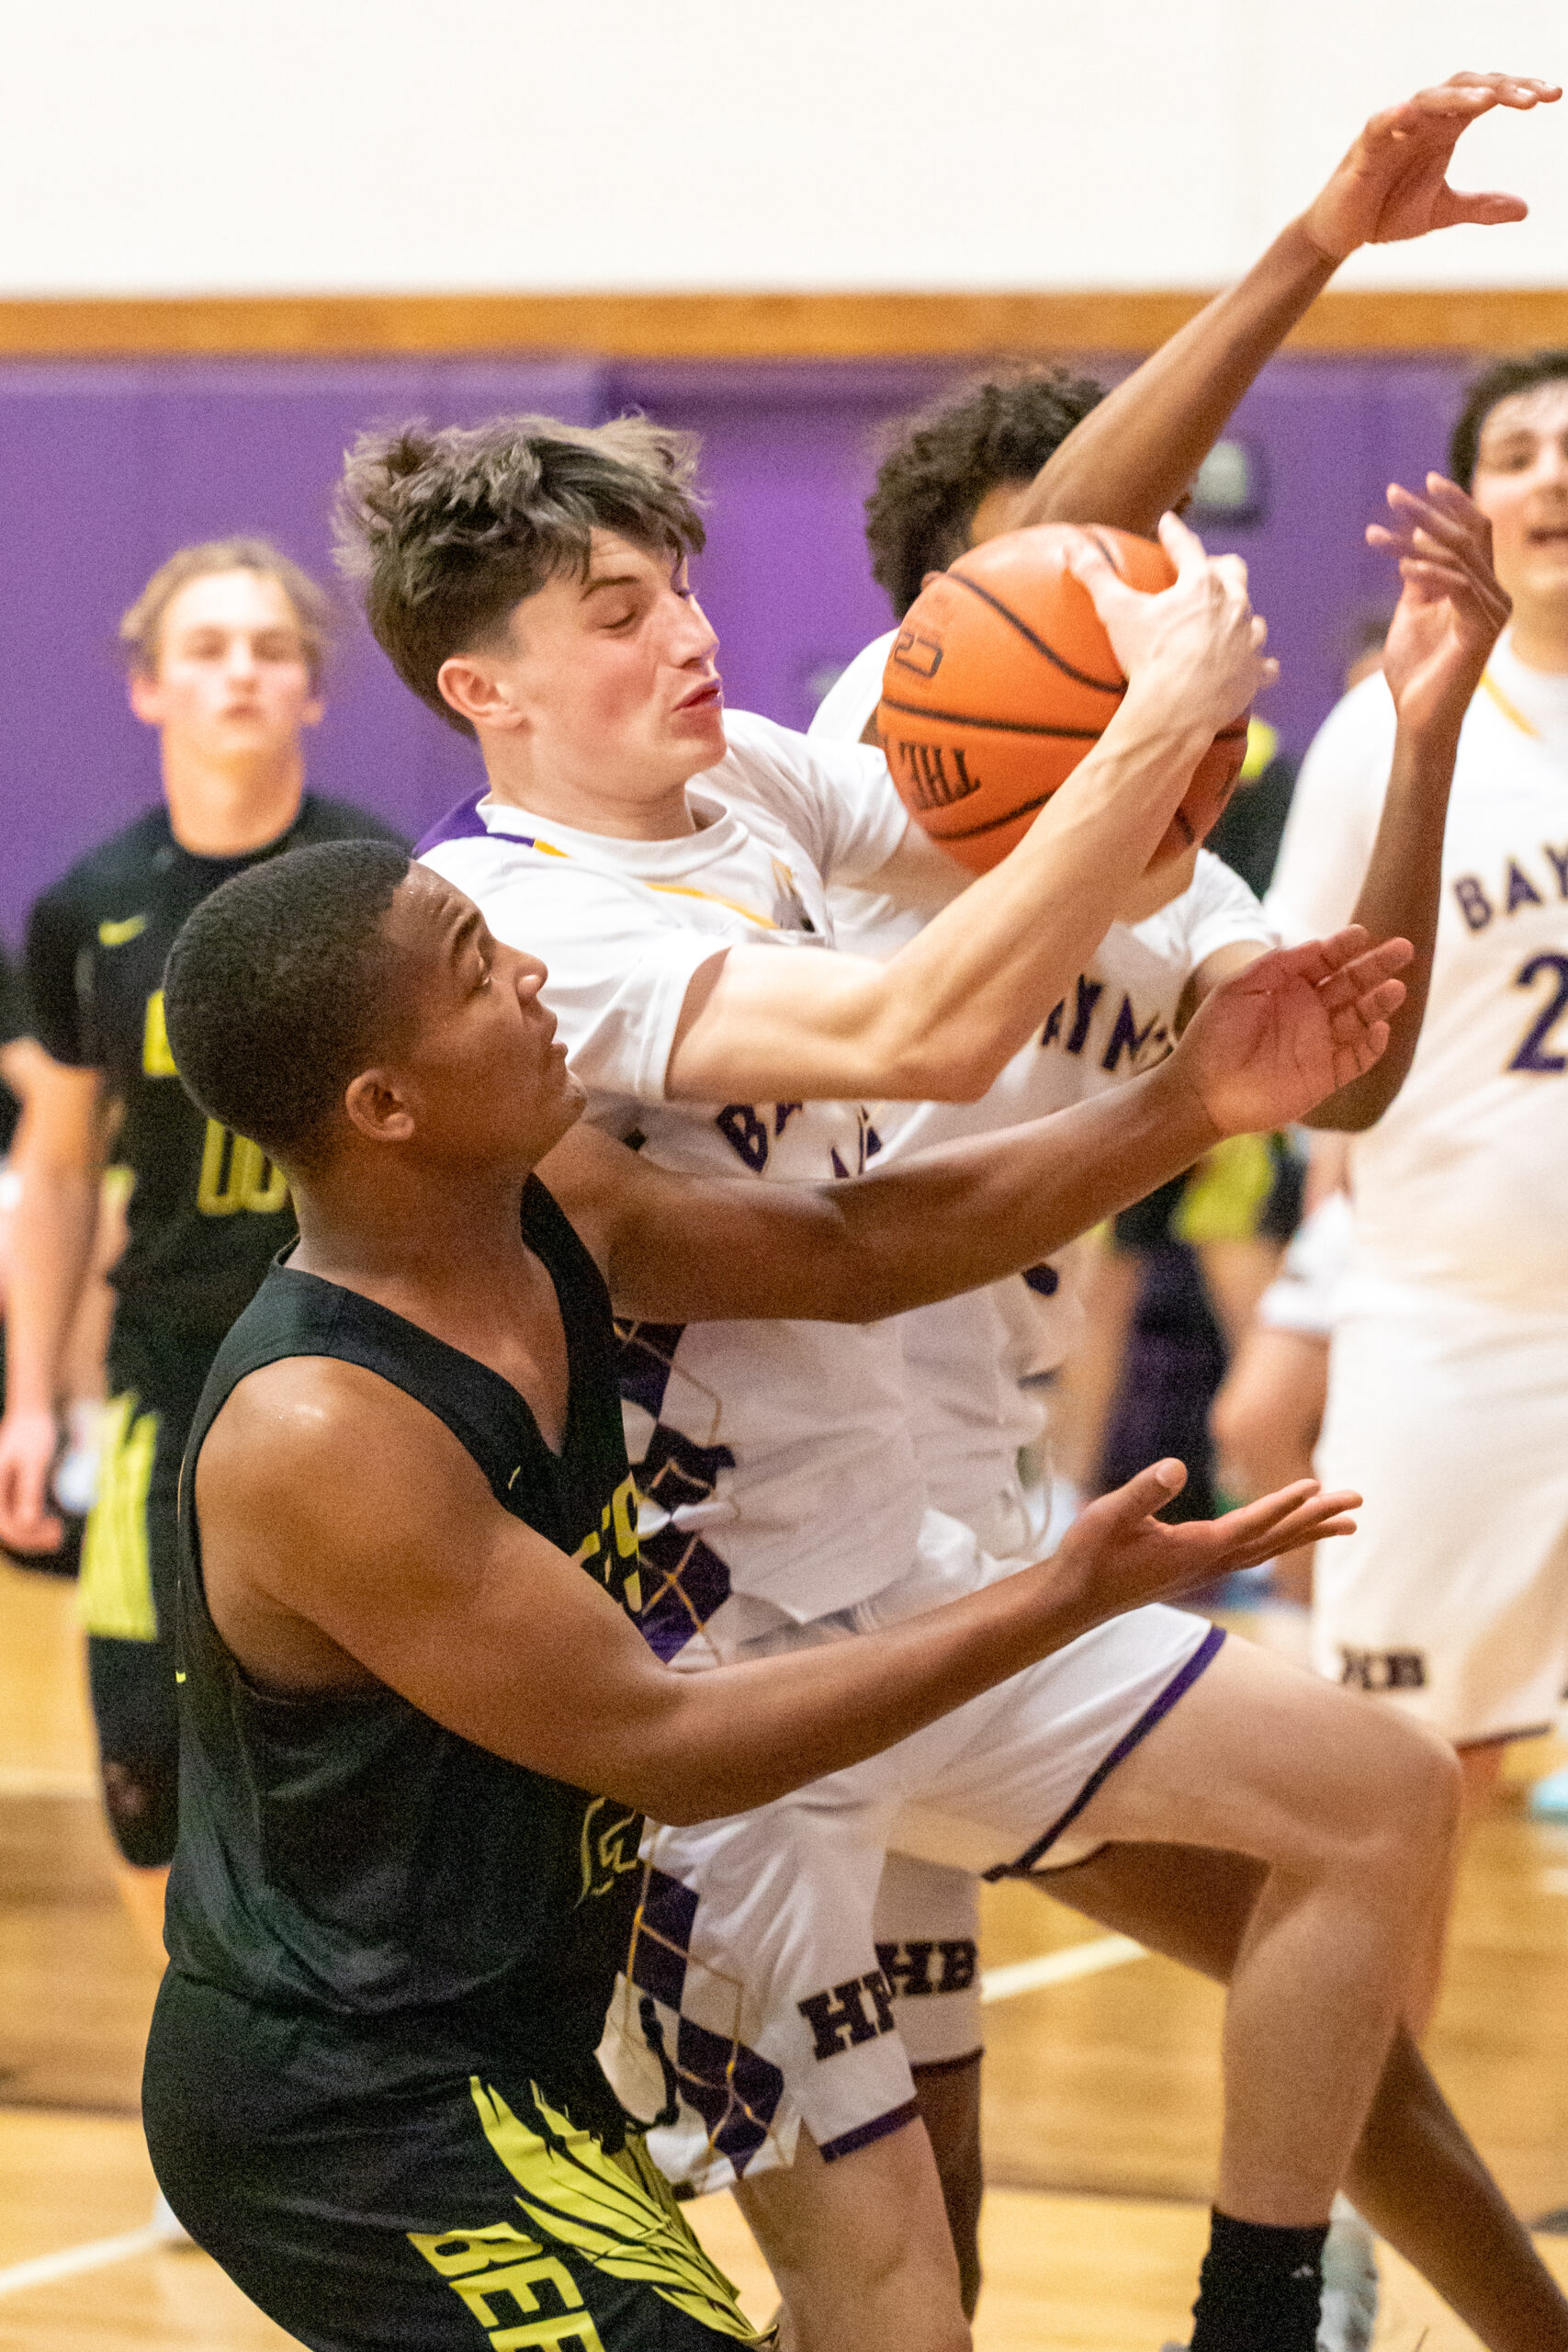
x=1125, y=1557
x=1266, y=1047
x=1451, y=607
x=1394, y=182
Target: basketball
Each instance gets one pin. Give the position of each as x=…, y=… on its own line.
x=1000, y=681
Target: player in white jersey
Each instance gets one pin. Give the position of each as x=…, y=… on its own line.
x=971, y=1360
x=1448, y=1366
x=577, y=658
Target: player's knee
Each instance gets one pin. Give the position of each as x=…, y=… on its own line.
x=1408, y=1802
x=141, y=1799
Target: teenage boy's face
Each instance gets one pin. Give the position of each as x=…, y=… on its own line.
x=1521, y=486
x=484, y=1072
x=232, y=680
x=610, y=677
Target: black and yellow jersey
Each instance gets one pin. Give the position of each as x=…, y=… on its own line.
x=346, y=1856
x=208, y=1211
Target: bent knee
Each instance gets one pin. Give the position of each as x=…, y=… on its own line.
x=1404, y=1800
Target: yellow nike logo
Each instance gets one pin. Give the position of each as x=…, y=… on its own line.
x=117, y=935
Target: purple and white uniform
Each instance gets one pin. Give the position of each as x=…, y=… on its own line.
x=785, y=1498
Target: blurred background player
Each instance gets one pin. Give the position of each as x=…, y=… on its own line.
x=1448, y=1366
x=225, y=646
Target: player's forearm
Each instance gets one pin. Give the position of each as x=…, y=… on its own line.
x=1400, y=897
x=1136, y=454
x=947, y=1220
x=56, y=1219
x=704, y=1744
x=963, y=1215
x=982, y=976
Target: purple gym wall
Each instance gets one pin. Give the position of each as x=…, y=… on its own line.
x=104, y=469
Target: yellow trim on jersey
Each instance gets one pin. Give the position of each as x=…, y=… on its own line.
x=114, y=1597
x=1226, y=1195
x=121, y=934
x=1510, y=710
x=668, y=889
x=157, y=1061
x=616, y=2209
x=681, y=891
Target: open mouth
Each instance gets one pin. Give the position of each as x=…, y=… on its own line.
x=703, y=698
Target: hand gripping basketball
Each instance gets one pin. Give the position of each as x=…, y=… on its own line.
x=1009, y=667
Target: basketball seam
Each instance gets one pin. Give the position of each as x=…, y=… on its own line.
x=1080, y=677
x=995, y=726
x=1023, y=808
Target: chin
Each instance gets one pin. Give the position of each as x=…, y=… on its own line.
x=703, y=740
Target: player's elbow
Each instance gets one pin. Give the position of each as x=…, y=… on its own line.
x=942, y=1068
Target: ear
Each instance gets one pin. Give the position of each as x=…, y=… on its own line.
x=146, y=697
x=378, y=1107
x=315, y=710
x=478, y=692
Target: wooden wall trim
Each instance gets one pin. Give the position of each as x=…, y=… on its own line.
x=748, y=326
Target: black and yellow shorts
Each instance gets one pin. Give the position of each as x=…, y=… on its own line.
x=128, y=1565
x=371, y=2204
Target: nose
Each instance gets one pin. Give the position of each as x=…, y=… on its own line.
x=697, y=639
x=242, y=661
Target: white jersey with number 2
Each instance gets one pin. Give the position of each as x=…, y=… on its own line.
x=1463, y=1182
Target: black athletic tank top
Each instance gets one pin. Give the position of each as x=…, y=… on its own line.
x=346, y=1855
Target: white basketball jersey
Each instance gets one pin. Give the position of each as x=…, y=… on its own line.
x=969, y=1358
x=774, y=1458
x=1463, y=1182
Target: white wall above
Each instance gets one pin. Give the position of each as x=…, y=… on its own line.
x=181, y=147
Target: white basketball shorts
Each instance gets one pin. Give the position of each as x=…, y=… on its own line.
x=755, y=1997
x=1450, y=1415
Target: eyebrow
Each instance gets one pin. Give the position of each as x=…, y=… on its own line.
x=591, y=586
x=467, y=933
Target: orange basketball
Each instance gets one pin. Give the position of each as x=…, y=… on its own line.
x=998, y=681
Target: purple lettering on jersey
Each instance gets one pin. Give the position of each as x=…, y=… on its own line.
x=1089, y=994
x=1128, y=1037
x=1558, y=859
x=462, y=823
x=1522, y=891
x=1474, y=903
x=1053, y=1029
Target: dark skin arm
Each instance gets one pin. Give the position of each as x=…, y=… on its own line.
x=441, y=1595
x=1261, y=1050
x=1135, y=455
x=1450, y=610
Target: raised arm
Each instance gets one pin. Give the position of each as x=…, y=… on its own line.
x=1262, y=1049
x=1135, y=455
x=943, y=1018
x=1447, y=619
x=443, y=1597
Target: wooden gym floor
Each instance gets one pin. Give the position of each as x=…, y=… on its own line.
x=1102, y=2121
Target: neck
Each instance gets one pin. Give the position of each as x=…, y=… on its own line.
x=1539, y=640
x=369, y=1228
x=522, y=781
x=223, y=807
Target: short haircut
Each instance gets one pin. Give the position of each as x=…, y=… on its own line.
x=946, y=459
x=1500, y=382
x=141, y=624
x=444, y=533
x=277, y=989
